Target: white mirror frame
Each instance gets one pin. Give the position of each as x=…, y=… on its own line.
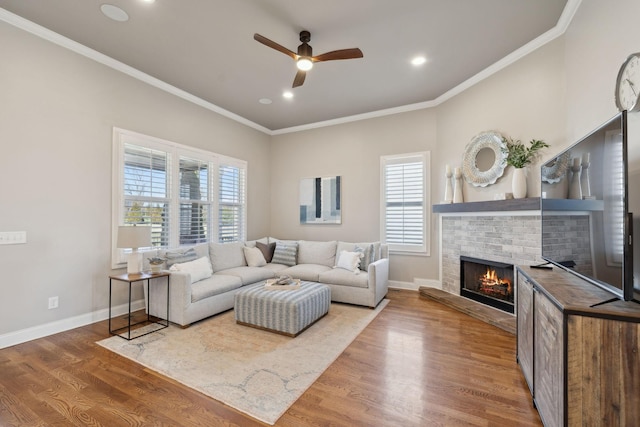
x=473, y=175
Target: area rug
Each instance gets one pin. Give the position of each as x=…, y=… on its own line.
x=254, y=371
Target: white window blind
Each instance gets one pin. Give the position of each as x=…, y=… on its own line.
x=146, y=187
x=186, y=195
x=195, y=205
x=231, y=204
x=404, y=201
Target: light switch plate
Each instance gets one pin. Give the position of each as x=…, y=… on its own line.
x=13, y=237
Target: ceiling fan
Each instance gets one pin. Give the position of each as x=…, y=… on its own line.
x=304, y=58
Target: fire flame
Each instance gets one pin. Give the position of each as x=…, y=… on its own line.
x=490, y=278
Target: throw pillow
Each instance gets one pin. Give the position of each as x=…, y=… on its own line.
x=285, y=254
x=199, y=269
x=368, y=256
x=266, y=249
x=349, y=260
x=254, y=257
x=180, y=256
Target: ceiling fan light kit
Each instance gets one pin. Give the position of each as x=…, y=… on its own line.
x=304, y=64
x=304, y=58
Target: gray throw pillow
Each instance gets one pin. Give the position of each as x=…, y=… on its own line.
x=368, y=256
x=267, y=250
x=180, y=256
x=285, y=254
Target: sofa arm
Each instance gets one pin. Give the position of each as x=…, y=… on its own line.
x=179, y=297
x=180, y=290
x=379, y=279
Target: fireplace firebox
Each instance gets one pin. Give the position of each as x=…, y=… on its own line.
x=488, y=282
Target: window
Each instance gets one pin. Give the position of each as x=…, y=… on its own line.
x=186, y=195
x=404, y=201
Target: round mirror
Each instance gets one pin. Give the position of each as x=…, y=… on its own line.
x=484, y=159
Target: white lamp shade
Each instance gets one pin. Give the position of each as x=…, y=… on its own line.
x=134, y=237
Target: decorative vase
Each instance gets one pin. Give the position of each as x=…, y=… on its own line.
x=457, y=186
x=519, y=183
x=575, y=188
x=584, y=178
x=448, y=191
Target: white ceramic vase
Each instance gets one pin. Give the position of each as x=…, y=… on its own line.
x=519, y=183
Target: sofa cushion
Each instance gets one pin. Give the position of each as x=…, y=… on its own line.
x=267, y=250
x=323, y=253
x=249, y=275
x=198, y=270
x=226, y=255
x=285, y=253
x=254, y=257
x=214, y=285
x=339, y=276
x=252, y=243
x=368, y=256
x=276, y=268
x=309, y=272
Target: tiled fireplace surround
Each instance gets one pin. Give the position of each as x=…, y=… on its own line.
x=502, y=231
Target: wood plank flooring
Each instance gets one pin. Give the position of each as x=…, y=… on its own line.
x=419, y=363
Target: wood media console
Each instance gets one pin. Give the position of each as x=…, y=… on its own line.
x=579, y=350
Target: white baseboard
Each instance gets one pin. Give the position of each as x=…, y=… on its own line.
x=35, y=332
x=415, y=285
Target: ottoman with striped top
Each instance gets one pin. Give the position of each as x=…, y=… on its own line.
x=288, y=312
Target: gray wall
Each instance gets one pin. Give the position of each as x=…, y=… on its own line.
x=352, y=151
x=56, y=118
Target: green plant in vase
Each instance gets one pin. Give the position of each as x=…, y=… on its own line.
x=520, y=156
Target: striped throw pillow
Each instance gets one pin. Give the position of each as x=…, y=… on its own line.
x=285, y=254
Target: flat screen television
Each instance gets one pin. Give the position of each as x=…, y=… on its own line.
x=590, y=206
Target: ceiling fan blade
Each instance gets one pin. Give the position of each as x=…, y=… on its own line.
x=273, y=45
x=339, y=54
x=299, y=79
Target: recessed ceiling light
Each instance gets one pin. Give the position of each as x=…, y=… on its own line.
x=288, y=94
x=418, y=60
x=148, y=1
x=114, y=12
x=265, y=101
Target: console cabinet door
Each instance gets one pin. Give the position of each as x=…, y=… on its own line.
x=548, y=361
x=525, y=329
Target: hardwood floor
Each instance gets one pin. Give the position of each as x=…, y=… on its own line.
x=419, y=363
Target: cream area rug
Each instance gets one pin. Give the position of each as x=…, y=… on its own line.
x=254, y=371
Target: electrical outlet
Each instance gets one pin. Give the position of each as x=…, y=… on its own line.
x=53, y=302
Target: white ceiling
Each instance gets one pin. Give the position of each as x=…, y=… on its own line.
x=206, y=48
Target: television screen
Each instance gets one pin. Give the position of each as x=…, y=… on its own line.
x=586, y=209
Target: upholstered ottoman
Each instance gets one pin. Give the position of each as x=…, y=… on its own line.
x=288, y=312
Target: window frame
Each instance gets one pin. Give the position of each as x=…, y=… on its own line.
x=407, y=249
x=174, y=152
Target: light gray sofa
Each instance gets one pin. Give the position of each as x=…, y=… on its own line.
x=315, y=261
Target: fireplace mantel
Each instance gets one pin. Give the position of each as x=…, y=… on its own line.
x=528, y=204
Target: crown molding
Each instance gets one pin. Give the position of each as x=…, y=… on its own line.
x=568, y=13
x=83, y=50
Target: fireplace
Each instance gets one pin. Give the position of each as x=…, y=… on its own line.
x=488, y=282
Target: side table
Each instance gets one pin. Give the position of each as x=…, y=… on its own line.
x=125, y=331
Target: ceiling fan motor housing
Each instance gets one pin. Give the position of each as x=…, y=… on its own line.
x=304, y=49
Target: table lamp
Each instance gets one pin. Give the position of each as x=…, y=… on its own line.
x=134, y=237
